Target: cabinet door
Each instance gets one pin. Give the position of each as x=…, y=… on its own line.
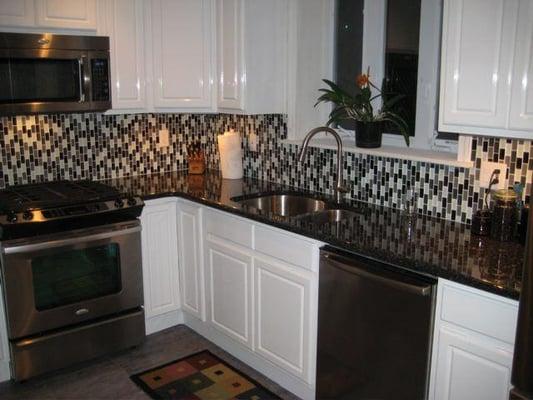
x=160, y=258
x=229, y=283
x=190, y=259
x=182, y=53
x=468, y=367
x=125, y=29
x=477, y=44
x=17, y=13
x=71, y=14
x=521, y=113
x=283, y=316
x=230, y=59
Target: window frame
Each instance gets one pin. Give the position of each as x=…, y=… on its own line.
x=374, y=30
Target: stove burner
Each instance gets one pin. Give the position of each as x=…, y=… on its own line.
x=43, y=195
x=34, y=208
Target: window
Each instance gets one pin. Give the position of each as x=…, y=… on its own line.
x=400, y=41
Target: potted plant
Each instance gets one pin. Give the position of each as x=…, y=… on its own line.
x=358, y=107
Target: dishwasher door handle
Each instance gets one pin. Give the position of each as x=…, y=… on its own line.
x=337, y=262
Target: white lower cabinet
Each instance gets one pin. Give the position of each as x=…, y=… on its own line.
x=160, y=264
x=471, y=368
x=190, y=248
x=282, y=316
x=473, y=344
x=229, y=279
x=253, y=290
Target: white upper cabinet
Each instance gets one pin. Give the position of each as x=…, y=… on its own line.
x=57, y=14
x=17, y=13
x=485, y=63
x=521, y=114
x=182, y=59
x=71, y=14
x=252, y=55
x=230, y=61
x=125, y=27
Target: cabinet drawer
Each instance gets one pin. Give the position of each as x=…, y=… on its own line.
x=481, y=313
x=229, y=228
x=285, y=247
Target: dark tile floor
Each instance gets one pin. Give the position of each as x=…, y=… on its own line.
x=108, y=378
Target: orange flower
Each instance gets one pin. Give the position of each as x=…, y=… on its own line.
x=362, y=80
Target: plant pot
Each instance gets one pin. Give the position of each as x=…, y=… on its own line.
x=368, y=134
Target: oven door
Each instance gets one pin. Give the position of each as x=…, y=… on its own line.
x=68, y=278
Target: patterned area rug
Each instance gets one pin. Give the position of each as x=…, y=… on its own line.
x=200, y=376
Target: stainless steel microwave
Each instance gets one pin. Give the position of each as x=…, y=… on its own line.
x=47, y=73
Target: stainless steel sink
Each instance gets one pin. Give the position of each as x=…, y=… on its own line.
x=285, y=205
x=329, y=216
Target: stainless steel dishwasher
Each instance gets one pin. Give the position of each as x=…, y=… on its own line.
x=375, y=327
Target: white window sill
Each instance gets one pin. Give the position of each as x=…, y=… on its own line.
x=428, y=156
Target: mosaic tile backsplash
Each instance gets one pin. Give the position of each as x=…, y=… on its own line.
x=97, y=146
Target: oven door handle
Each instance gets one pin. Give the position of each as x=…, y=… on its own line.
x=25, y=248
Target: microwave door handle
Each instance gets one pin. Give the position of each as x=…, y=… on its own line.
x=81, y=79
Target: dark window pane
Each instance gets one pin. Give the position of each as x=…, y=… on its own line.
x=349, y=45
x=76, y=275
x=36, y=80
x=401, y=58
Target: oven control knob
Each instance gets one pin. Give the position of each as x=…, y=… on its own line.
x=132, y=201
x=119, y=203
x=11, y=216
x=27, y=215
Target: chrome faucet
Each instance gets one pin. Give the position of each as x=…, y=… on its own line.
x=340, y=189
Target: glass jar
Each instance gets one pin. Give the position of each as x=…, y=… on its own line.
x=503, y=215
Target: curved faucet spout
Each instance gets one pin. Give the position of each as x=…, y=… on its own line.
x=339, y=188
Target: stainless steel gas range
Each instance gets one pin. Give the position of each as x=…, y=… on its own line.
x=71, y=273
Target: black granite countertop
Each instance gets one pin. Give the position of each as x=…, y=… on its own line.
x=431, y=246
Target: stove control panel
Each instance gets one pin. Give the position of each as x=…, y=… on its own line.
x=68, y=211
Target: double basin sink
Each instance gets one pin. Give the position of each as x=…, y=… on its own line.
x=304, y=208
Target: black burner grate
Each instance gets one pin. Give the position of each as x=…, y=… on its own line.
x=53, y=194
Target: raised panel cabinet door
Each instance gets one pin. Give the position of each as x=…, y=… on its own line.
x=230, y=57
x=71, y=14
x=229, y=284
x=282, y=316
x=182, y=53
x=521, y=112
x=470, y=368
x=160, y=258
x=17, y=13
x=477, y=46
x=190, y=259
x=126, y=38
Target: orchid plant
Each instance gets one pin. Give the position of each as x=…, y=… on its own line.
x=359, y=107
